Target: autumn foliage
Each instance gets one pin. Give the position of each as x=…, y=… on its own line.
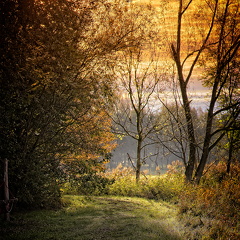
x=210, y=210
x=217, y=198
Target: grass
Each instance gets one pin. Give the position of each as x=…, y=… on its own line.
x=86, y=218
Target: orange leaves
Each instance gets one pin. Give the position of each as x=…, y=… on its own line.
x=217, y=197
x=93, y=140
x=176, y=167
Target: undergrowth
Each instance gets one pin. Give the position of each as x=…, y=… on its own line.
x=215, y=202
x=161, y=187
x=210, y=210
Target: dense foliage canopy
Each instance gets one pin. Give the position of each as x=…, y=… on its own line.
x=51, y=94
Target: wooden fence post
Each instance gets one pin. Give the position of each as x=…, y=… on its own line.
x=6, y=189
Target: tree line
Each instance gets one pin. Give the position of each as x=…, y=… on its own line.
x=77, y=74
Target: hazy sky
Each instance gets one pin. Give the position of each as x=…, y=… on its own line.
x=195, y=84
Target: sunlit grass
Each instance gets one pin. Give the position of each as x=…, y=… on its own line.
x=96, y=218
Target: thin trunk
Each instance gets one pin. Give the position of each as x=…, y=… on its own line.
x=6, y=190
x=230, y=152
x=139, y=163
x=139, y=140
x=192, y=143
x=207, y=138
x=221, y=63
x=183, y=86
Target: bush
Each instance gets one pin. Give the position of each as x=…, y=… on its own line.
x=166, y=187
x=216, y=198
x=88, y=184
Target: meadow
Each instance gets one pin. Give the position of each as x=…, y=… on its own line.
x=159, y=207
x=96, y=218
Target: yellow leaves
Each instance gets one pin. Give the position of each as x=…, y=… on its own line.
x=116, y=24
x=217, y=197
x=206, y=196
x=95, y=137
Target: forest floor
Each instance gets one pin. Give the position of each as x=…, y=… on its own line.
x=88, y=218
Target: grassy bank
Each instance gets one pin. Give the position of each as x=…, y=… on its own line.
x=96, y=218
x=159, y=207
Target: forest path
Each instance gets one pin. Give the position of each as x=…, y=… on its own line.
x=90, y=218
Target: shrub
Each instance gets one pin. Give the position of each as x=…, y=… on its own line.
x=88, y=184
x=217, y=198
x=166, y=187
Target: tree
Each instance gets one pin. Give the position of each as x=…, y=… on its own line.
x=140, y=80
x=230, y=96
x=52, y=86
x=37, y=93
x=221, y=42
x=172, y=134
x=226, y=54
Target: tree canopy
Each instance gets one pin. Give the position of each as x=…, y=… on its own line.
x=52, y=90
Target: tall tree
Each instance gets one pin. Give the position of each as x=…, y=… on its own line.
x=52, y=85
x=140, y=79
x=221, y=40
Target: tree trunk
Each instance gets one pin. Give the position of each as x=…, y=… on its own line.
x=230, y=152
x=176, y=52
x=190, y=128
x=139, y=163
x=6, y=190
x=207, y=138
x=191, y=137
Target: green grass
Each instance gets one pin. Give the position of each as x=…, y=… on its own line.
x=89, y=218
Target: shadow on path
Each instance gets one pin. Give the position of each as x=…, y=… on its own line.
x=99, y=218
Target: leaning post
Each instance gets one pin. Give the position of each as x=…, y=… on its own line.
x=6, y=189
